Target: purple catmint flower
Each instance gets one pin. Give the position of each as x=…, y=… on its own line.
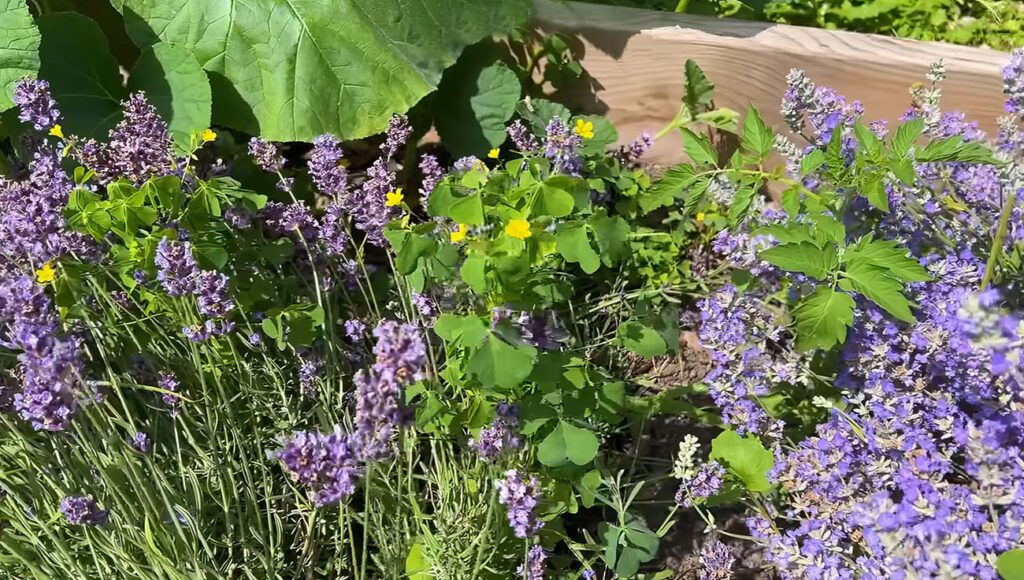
x=631, y=153
x=333, y=234
x=265, y=155
x=355, y=330
x=168, y=382
x=520, y=496
x=716, y=561
x=533, y=567
x=326, y=464
x=325, y=168
x=521, y=136
x=706, y=482
x=425, y=305
x=432, y=175
x=397, y=134
x=466, y=163
x=1013, y=82
x=141, y=442
x=207, y=330
x=137, y=148
x=79, y=510
x=310, y=368
x=400, y=356
x=294, y=218
x=211, y=290
x=255, y=339
x=139, y=276
x=177, y=270
x=501, y=436
x=36, y=105
x=239, y=218
x=560, y=146
x=51, y=368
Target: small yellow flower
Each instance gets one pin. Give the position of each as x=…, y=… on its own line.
x=700, y=217
x=584, y=129
x=57, y=132
x=519, y=229
x=459, y=234
x=493, y=153
x=46, y=274
x=208, y=135
x=394, y=198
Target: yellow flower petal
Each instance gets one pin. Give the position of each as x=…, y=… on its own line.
x=46, y=274
x=700, y=217
x=519, y=229
x=57, y=132
x=584, y=129
x=459, y=234
x=207, y=135
x=394, y=198
x=493, y=153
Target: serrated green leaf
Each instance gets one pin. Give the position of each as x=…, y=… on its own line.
x=176, y=86
x=698, y=89
x=791, y=202
x=787, y=234
x=757, y=137
x=870, y=142
x=745, y=457
x=875, y=283
x=812, y=161
x=670, y=186
x=803, y=257
x=698, y=148
x=539, y=112
x=822, y=319
x=874, y=190
x=19, y=47
x=293, y=70
x=889, y=255
x=905, y=137
x=741, y=201
x=955, y=149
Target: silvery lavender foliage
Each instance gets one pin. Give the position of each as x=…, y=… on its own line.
x=432, y=175
x=51, y=369
x=367, y=206
x=521, y=496
x=560, y=146
x=82, y=510
x=326, y=464
x=35, y=104
x=533, y=567
x=521, y=136
x=177, y=269
x=400, y=356
x=501, y=436
x=137, y=148
x=716, y=561
x=325, y=168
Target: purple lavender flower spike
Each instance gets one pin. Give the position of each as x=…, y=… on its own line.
x=355, y=330
x=533, y=567
x=521, y=497
x=169, y=382
x=501, y=436
x=37, y=106
x=332, y=232
x=82, y=510
x=631, y=153
x=432, y=175
x=465, y=163
x=329, y=176
x=560, y=145
x=1013, y=82
x=138, y=148
x=211, y=290
x=310, y=368
x=521, y=137
x=716, y=561
x=326, y=464
x=177, y=270
x=265, y=155
x=141, y=442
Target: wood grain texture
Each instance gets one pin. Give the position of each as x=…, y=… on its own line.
x=635, y=58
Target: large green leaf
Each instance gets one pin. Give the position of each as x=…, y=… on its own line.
x=1010, y=564
x=500, y=364
x=567, y=443
x=84, y=77
x=803, y=257
x=292, y=69
x=475, y=99
x=745, y=457
x=176, y=85
x=19, y=47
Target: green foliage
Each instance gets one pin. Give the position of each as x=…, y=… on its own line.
x=1010, y=564
x=19, y=46
x=745, y=458
x=176, y=85
x=350, y=64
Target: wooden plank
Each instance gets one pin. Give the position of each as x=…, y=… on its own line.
x=636, y=60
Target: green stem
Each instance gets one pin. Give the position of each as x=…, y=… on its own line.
x=997, y=242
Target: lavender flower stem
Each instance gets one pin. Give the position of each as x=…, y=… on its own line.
x=997, y=242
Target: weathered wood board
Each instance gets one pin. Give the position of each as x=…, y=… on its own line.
x=635, y=58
